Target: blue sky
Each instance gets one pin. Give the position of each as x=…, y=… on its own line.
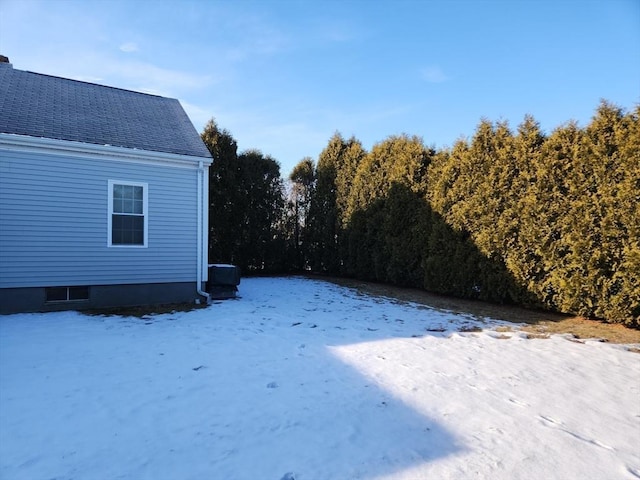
x=284, y=75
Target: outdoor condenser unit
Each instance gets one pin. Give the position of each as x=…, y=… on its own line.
x=223, y=281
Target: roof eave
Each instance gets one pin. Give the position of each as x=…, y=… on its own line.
x=81, y=149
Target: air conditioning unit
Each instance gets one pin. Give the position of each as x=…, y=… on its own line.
x=223, y=281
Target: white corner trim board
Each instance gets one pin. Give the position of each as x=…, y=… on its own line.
x=202, y=250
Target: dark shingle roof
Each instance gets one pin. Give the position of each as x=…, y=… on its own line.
x=52, y=107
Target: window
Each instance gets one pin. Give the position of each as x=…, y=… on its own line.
x=67, y=294
x=127, y=214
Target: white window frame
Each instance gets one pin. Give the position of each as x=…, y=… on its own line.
x=145, y=212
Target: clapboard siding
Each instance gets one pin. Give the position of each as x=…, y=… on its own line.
x=54, y=222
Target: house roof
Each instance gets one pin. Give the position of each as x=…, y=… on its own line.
x=44, y=106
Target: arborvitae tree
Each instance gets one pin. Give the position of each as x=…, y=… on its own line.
x=496, y=190
x=324, y=225
x=366, y=256
x=611, y=234
x=284, y=244
x=224, y=200
x=245, y=203
x=480, y=192
x=444, y=190
x=261, y=190
x=302, y=180
x=337, y=165
x=406, y=229
x=624, y=289
x=401, y=159
x=476, y=188
x=450, y=261
x=571, y=243
x=515, y=179
x=383, y=212
x=546, y=218
x=348, y=163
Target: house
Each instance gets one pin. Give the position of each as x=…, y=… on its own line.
x=103, y=196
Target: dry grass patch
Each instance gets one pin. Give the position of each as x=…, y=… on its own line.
x=503, y=328
x=537, y=336
x=540, y=324
x=583, y=328
x=145, y=310
x=470, y=329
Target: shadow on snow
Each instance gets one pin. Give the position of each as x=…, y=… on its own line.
x=244, y=389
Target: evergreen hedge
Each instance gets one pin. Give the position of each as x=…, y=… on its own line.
x=547, y=221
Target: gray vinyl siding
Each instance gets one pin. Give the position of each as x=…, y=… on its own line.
x=54, y=222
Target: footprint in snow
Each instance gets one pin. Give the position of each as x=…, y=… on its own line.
x=552, y=422
x=522, y=404
x=289, y=476
x=634, y=471
x=272, y=385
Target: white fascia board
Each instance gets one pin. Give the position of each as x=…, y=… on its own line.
x=80, y=149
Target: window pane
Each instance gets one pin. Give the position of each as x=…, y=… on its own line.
x=137, y=206
x=118, y=198
x=117, y=192
x=137, y=229
x=78, y=293
x=127, y=230
x=128, y=205
x=117, y=230
x=137, y=237
x=128, y=199
x=56, y=294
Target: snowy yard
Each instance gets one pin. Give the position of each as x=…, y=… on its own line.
x=306, y=380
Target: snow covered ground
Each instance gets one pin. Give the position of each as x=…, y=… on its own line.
x=306, y=380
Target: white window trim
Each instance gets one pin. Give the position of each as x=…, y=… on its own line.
x=145, y=212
